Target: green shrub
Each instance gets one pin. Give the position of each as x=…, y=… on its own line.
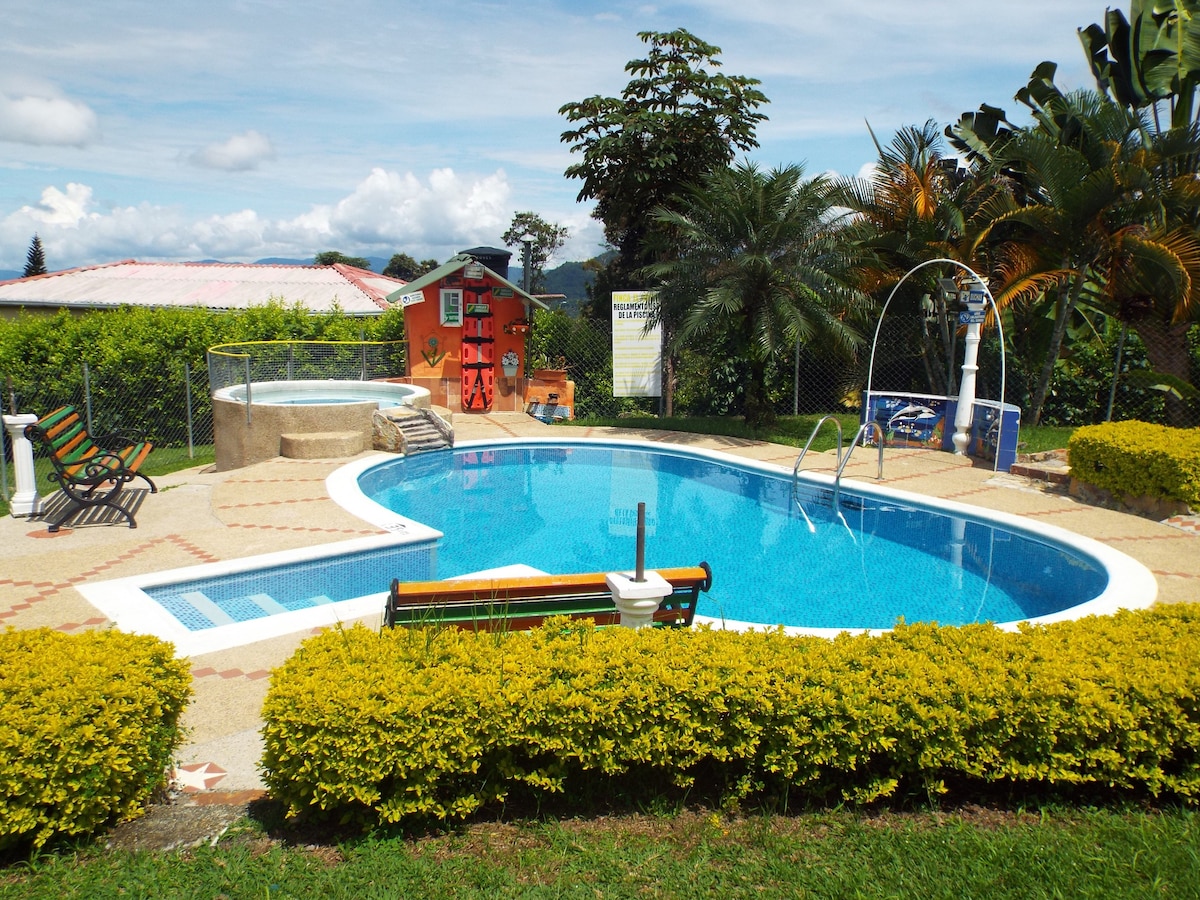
x=1138, y=459
x=88, y=725
x=437, y=723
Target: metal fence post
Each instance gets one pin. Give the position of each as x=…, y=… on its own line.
x=4, y=447
x=87, y=396
x=247, y=359
x=187, y=394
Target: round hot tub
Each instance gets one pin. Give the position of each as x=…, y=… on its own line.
x=250, y=426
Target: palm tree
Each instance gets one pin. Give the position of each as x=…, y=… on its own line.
x=1081, y=211
x=911, y=209
x=758, y=257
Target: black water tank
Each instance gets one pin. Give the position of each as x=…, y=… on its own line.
x=492, y=257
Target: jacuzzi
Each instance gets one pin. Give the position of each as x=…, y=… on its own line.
x=251, y=429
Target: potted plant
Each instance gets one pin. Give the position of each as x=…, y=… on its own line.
x=510, y=362
x=543, y=370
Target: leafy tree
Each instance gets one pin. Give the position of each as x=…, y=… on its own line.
x=404, y=267
x=761, y=262
x=914, y=208
x=677, y=120
x=1102, y=216
x=1151, y=58
x=548, y=238
x=333, y=257
x=35, y=259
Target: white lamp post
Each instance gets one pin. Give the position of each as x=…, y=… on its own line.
x=974, y=300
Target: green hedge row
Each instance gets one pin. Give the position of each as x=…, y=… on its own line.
x=136, y=356
x=88, y=726
x=437, y=723
x=1138, y=459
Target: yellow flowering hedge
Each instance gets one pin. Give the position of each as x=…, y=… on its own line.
x=376, y=727
x=1139, y=459
x=88, y=726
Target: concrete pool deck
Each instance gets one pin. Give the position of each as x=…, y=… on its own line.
x=203, y=516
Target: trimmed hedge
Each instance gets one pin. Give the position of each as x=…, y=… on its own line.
x=375, y=728
x=88, y=726
x=1139, y=460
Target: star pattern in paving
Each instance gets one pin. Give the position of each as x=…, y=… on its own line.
x=196, y=777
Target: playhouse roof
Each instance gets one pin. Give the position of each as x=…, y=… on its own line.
x=454, y=264
x=212, y=285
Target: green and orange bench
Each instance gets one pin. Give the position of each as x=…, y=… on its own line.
x=90, y=471
x=524, y=602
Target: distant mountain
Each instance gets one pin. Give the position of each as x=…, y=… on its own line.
x=9, y=274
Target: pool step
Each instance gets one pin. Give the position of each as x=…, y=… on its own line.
x=322, y=445
x=411, y=431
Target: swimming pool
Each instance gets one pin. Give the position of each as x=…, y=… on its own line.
x=495, y=503
x=571, y=507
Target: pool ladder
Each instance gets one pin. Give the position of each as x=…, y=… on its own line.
x=841, y=460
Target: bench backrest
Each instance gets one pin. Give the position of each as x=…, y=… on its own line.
x=518, y=604
x=65, y=435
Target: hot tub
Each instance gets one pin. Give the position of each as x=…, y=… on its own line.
x=248, y=432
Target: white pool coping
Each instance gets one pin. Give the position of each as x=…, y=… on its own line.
x=124, y=601
x=1130, y=584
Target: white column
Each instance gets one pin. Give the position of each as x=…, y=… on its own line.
x=637, y=601
x=25, y=502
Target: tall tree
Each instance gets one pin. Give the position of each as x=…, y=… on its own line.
x=677, y=119
x=761, y=261
x=910, y=209
x=404, y=267
x=548, y=239
x=1144, y=63
x=35, y=259
x=1149, y=59
x=333, y=257
x=1086, y=213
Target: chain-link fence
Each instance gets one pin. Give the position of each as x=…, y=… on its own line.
x=254, y=361
x=1104, y=376
x=173, y=410
x=1096, y=380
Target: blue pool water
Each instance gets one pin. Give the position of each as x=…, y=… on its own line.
x=572, y=508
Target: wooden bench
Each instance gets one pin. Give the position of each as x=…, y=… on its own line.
x=90, y=471
x=518, y=604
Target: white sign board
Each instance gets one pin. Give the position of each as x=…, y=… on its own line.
x=407, y=300
x=637, y=353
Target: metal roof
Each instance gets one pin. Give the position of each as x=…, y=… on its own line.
x=454, y=264
x=211, y=285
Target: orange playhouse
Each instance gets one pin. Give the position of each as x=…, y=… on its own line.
x=466, y=325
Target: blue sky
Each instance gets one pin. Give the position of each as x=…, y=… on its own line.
x=242, y=129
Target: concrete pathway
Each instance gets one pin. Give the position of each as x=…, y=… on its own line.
x=203, y=516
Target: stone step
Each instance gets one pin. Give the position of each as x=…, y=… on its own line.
x=322, y=445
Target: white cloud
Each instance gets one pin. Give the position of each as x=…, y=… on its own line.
x=387, y=212
x=45, y=118
x=60, y=208
x=241, y=153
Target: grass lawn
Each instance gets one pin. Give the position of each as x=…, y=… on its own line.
x=795, y=430
x=975, y=852
x=161, y=461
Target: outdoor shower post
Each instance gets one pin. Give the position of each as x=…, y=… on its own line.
x=973, y=316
